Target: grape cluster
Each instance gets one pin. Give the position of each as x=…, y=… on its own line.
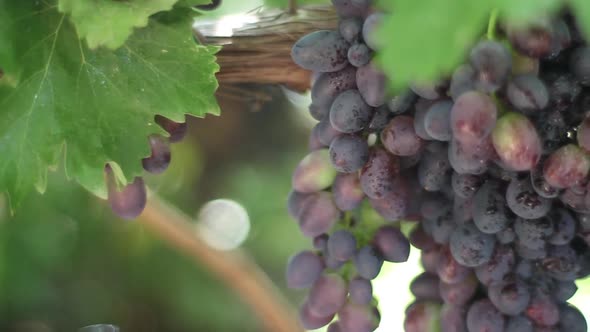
x=491, y=165
x=129, y=202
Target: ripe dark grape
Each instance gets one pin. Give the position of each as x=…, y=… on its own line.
x=311, y=320
x=318, y=214
x=463, y=80
x=542, y=310
x=367, y=262
x=314, y=172
x=483, y=316
x=566, y=167
x=466, y=185
x=419, y=239
x=295, y=202
x=321, y=51
x=349, y=113
x=449, y=270
x=425, y=287
x=342, y=245
x=490, y=214
x=159, y=160
x=459, y=294
x=347, y=191
x=470, y=158
x=534, y=41
x=533, y=233
x=129, y=202
x=349, y=153
x=452, y=319
x=580, y=65
x=350, y=28
x=510, y=297
x=571, y=319
x=562, y=291
x=361, y=291
x=355, y=317
x=473, y=117
x=391, y=244
x=176, y=130
x=359, y=55
x=371, y=23
x=327, y=295
x=519, y=324
x=378, y=174
x=399, y=137
x=524, y=201
x=470, y=247
x=492, y=62
x=422, y=316
x=500, y=265
x=437, y=120
x=527, y=93
x=303, y=269
x=402, y=103
x=329, y=85
x=434, y=170
x=393, y=206
x=380, y=119
x=564, y=227
x=371, y=84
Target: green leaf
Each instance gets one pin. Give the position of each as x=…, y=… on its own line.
x=95, y=105
x=285, y=3
x=582, y=10
x=422, y=40
x=108, y=22
x=523, y=11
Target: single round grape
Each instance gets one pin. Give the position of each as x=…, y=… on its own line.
x=361, y=291
x=303, y=269
x=311, y=320
x=449, y=270
x=436, y=120
x=354, y=317
x=371, y=24
x=452, y=318
x=490, y=214
x=511, y=297
x=561, y=263
x=419, y=239
x=327, y=295
x=566, y=167
x=492, y=62
x=318, y=214
x=402, y=102
x=325, y=132
x=540, y=185
x=350, y=8
x=530, y=253
x=425, y=287
x=524, y=201
x=466, y=185
x=367, y=262
x=459, y=294
x=473, y=117
x=527, y=93
x=500, y=265
x=534, y=41
x=380, y=119
x=470, y=158
x=422, y=106
x=342, y=245
x=533, y=233
x=177, y=130
x=506, y=236
x=542, y=310
x=562, y=291
x=422, y=316
x=517, y=142
x=349, y=113
x=483, y=316
x=314, y=172
x=349, y=153
x=378, y=174
x=470, y=247
x=519, y=324
x=571, y=319
x=321, y=51
x=295, y=202
x=428, y=90
x=393, y=206
x=371, y=84
x=434, y=170
x=347, y=191
x=391, y=243
x=350, y=29
x=130, y=201
x=463, y=80
x=328, y=86
x=564, y=226
x=159, y=160
x=400, y=138
x=359, y=55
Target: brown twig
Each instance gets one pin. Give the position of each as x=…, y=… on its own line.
x=292, y=7
x=234, y=268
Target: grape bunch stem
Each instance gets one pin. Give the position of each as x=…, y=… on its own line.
x=236, y=269
x=492, y=25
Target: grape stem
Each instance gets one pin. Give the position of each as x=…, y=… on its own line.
x=236, y=269
x=492, y=25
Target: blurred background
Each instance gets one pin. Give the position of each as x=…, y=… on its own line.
x=66, y=261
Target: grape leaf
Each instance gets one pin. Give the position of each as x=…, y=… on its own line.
x=108, y=22
x=96, y=106
x=582, y=10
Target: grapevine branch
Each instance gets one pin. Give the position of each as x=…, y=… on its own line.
x=235, y=268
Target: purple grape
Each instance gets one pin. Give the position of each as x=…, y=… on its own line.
x=542, y=310
x=310, y=320
x=527, y=93
x=564, y=227
x=347, y=191
x=176, y=130
x=492, y=62
x=318, y=214
x=314, y=172
x=469, y=158
x=328, y=86
x=359, y=318
x=380, y=119
x=367, y=262
x=349, y=153
x=434, y=170
x=130, y=201
x=334, y=327
x=371, y=24
x=566, y=167
x=524, y=201
x=533, y=41
x=359, y=55
x=530, y=253
x=378, y=174
x=561, y=40
x=563, y=90
x=575, y=201
x=561, y=263
x=350, y=29
x=422, y=106
x=506, y=236
x=393, y=206
x=524, y=269
x=533, y=233
x=342, y=245
x=320, y=243
x=571, y=319
x=580, y=65
x=349, y=113
x=463, y=80
x=436, y=120
x=159, y=160
x=295, y=202
x=441, y=227
x=327, y=295
x=349, y=8
x=429, y=259
x=483, y=316
x=400, y=138
x=325, y=132
x=419, y=239
x=402, y=102
x=500, y=265
x=490, y=214
x=314, y=142
x=371, y=84
x=321, y=51
x=422, y=316
x=517, y=142
x=583, y=135
x=425, y=287
x=562, y=291
x=519, y=324
x=391, y=244
x=303, y=269
x=470, y=247
x=452, y=319
x=361, y=291
x=466, y=185
x=449, y=270
x=510, y=297
x=458, y=294
x=473, y=117
x=540, y=185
